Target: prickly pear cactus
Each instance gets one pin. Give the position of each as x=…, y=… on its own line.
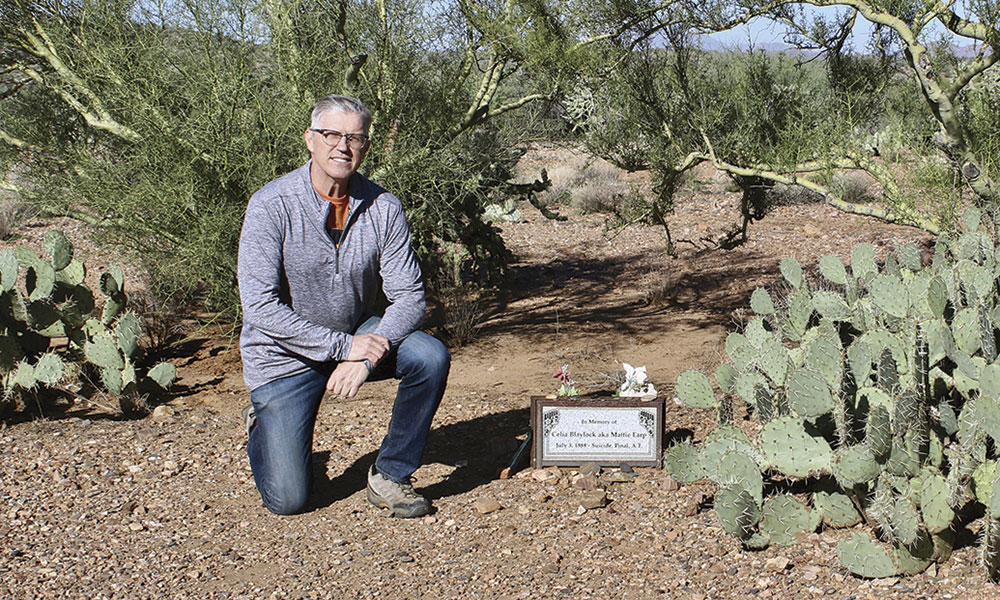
x=878, y=390
x=52, y=336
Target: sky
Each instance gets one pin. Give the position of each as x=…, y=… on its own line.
x=765, y=34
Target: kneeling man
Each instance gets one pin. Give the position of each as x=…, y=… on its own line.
x=316, y=245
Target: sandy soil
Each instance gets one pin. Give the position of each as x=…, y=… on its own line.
x=95, y=505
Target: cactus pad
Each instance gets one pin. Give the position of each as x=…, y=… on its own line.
x=694, y=389
x=792, y=271
x=796, y=317
x=103, y=352
x=855, y=464
x=712, y=452
x=740, y=351
x=861, y=556
x=163, y=374
x=774, y=360
x=808, y=395
x=683, y=464
x=112, y=380
x=127, y=332
x=836, y=507
x=73, y=274
x=788, y=447
x=8, y=270
x=824, y=356
x=831, y=306
x=863, y=262
x=934, y=504
x=909, y=256
x=833, y=270
x=889, y=294
x=49, y=369
x=737, y=510
x=59, y=248
x=725, y=377
x=965, y=329
x=937, y=296
x=739, y=469
x=784, y=517
x=23, y=376
x=761, y=303
x=39, y=280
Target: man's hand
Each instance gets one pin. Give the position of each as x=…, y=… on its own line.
x=347, y=378
x=370, y=347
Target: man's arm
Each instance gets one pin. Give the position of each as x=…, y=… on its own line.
x=402, y=280
x=259, y=271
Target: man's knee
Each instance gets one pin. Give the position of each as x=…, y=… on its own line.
x=427, y=355
x=289, y=501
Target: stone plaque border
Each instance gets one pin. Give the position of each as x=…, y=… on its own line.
x=539, y=403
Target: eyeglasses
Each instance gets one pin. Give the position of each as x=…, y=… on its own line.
x=355, y=141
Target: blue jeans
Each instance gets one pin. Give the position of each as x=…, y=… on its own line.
x=280, y=443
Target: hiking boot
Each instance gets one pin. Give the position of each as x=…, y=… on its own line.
x=248, y=418
x=397, y=497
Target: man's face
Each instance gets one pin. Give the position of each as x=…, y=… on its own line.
x=335, y=164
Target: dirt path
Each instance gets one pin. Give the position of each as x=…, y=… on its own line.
x=164, y=507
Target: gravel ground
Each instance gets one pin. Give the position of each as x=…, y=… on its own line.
x=94, y=505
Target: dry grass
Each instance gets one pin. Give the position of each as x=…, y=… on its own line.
x=13, y=212
x=853, y=187
x=464, y=317
x=587, y=185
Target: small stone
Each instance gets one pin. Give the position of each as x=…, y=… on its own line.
x=405, y=558
x=523, y=510
x=541, y=496
x=136, y=526
x=164, y=413
x=626, y=468
x=595, y=499
x=778, y=563
x=590, y=468
x=617, y=477
x=485, y=506
x=586, y=482
x=670, y=484
x=580, y=510
x=450, y=522
x=541, y=475
x=810, y=573
x=170, y=466
x=430, y=520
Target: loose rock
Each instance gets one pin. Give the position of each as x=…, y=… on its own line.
x=595, y=499
x=485, y=506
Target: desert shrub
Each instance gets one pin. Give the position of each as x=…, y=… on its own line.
x=156, y=122
x=464, y=316
x=852, y=187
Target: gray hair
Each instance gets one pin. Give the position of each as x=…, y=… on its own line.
x=342, y=104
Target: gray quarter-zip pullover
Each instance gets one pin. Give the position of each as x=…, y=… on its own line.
x=302, y=295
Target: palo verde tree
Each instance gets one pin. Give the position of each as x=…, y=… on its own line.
x=904, y=79
x=156, y=120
